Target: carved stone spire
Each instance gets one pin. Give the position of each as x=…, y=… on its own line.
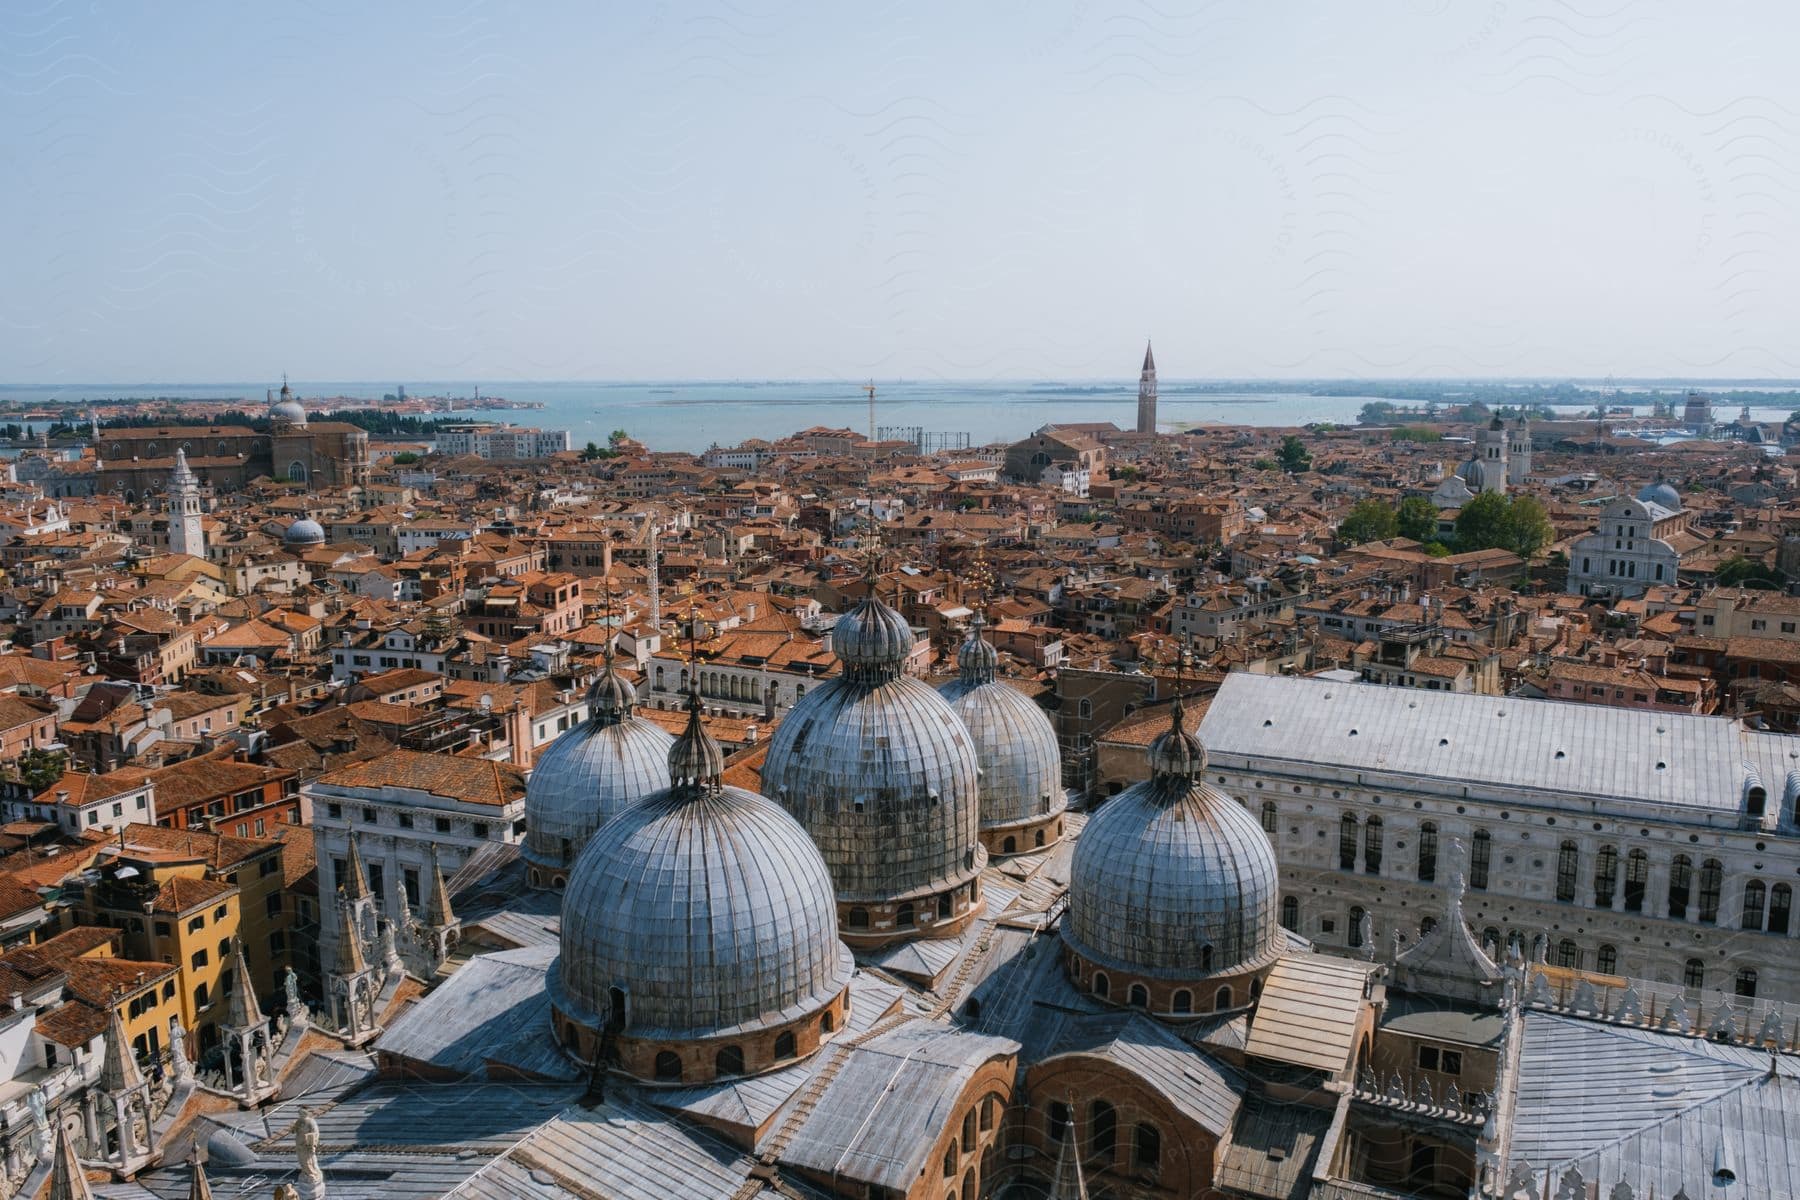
x=242, y=1011
x=438, y=912
x=67, y=1181
x=118, y=1069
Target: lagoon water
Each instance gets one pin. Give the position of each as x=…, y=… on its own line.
x=694, y=415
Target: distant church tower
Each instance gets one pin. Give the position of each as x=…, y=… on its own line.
x=185, y=533
x=1518, y=452
x=1147, y=394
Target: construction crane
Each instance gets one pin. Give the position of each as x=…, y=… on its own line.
x=869, y=387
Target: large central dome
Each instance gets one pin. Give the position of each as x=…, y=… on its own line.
x=589, y=775
x=701, y=914
x=1172, y=880
x=882, y=773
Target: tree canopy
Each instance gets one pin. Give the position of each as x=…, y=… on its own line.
x=1368, y=521
x=1417, y=519
x=1739, y=571
x=1495, y=521
x=1293, y=455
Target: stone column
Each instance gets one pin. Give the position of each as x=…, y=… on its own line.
x=90, y=1118
x=1656, y=889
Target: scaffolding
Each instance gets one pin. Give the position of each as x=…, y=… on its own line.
x=926, y=441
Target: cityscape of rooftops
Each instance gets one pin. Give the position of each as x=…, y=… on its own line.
x=769, y=602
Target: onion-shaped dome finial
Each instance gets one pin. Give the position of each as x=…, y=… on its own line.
x=696, y=761
x=1176, y=752
x=977, y=660
x=872, y=640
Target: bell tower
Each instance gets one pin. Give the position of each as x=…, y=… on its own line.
x=1146, y=414
x=186, y=536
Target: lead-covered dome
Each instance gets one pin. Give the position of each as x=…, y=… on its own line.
x=1662, y=494
x=702, y=912
x=1172, y=879
x=880, y=770
x=589, y=775
x=304, y=532
x=287, y=409
x=1015, y=744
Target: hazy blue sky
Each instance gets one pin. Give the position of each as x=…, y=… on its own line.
x=197, y=191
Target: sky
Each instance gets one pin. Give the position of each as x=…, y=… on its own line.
x=1015, y=189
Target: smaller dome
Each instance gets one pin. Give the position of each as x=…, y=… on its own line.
x=612, y=699
x=872, y=637
x=978, y=661
x=1660, y=493
x=287, y=409
x=304, y=532
x=1176, y=752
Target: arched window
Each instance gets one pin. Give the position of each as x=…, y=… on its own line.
x=1481, y=853
x=1356, y=924
x=1426, y=925
x=1745, y=984
x=859, y=918
x=828, y=1021
x=1781, y=903
x=1182, y=1003
x=1428, y=850
x=1290, y=913
x=1059, y=1119
x=1146, y=1148
x=1270, y=816
x=1637, y=880
x=729, y=1060
x=1102, y=985
x=1568, y=869
x=1712, y=879
x=1139, y=996
x=1606, y=960
x=1606, y=876
x=968, y=1132
x=1347, y=842
x=1693, y=976
x=1206, y=955
x=1681, y=881
x=668, y=1066
x=616, y=999
x=1010, y=845
x=1756, y=801
x=1568, y=954
x=903, y=917
x=784, y=1044
x=989, y=1108
x=950, y=1163
x=1103, y=1129
x=1222, y=999
x=1039, y=840
x=1372, y=846
x=659, y=678
x=296, y=472
x=1755, y=895
x=1084, y=708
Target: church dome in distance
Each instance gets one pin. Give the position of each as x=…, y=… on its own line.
x=589, y=775
x=287, y=409
x=304, y=532
x=703, y=912
x=1172, y=879
x=1662, y=494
